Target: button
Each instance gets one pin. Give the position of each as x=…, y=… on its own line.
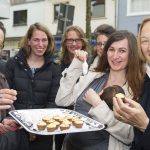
x=65, y=74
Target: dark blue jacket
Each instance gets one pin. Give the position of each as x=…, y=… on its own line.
x=142, y=140
x=34, y=91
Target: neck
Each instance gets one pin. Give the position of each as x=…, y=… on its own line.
x=116, y=78
x=35, y=61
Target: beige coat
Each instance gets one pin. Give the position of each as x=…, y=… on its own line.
x=70, y=90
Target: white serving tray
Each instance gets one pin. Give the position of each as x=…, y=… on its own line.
x=29, y=118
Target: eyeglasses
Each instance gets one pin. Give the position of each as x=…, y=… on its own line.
x=99, y=44
x=70, y=41
x=145, y=41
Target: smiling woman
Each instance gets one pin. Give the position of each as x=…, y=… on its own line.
x=35, y=76
x=114, y=68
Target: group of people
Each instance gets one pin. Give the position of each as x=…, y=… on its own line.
x=36, y=81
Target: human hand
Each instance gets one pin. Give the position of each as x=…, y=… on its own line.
x=130, y=112
x=92, y=97
x=81, y=55
x=7, y=97
x=8, y=125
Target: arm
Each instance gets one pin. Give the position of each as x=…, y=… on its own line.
x=64, y=96
x=102, y=113
x=119, y=130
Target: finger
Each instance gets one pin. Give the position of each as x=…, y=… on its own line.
x=8, y=96
x=5, y=101
x=8, y=91
x=101, y=92
x=4, y=107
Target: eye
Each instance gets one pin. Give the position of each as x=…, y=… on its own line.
x=111, y=49
x=144, y=42
x=122, y=50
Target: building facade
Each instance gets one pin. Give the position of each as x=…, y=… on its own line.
x=23, y=13
x=130, y=14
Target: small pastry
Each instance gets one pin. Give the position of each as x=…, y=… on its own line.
x=41, y=125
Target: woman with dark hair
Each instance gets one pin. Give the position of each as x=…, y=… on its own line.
x=135, y=113
x=118, y=60
x=35, y=76
x=101, y=33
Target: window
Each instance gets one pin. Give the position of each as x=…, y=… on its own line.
x=97, y=8
x=14, y=2
x=20, y=18
x=138, y=7
x=56, y=11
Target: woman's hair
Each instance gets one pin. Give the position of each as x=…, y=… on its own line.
x=37, y=26
x=3, y=30
x=103, y=29
x=135, y=70
x=65, y=56
x=139, y=38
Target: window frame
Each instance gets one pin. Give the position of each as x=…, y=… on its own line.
x=56, y=18
x=15, y=23
x=92, y=17
x=129, y=13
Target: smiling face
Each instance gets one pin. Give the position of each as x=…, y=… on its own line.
x=117, y=54
x=75, y=44
x=145, y=41
x=38, y=43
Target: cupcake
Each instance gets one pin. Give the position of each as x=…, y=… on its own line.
x=64, y=126
x=51, y=127
x=41, y=125
x=57, y=124
x=46, y=118
x=78, y=123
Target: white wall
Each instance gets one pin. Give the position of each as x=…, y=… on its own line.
x=4, y=8
x=43, y=12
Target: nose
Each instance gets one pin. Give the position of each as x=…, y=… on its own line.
x=40, y=42
x=116, y=55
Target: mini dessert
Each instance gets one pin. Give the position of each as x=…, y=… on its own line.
x=64, y=126
x=50, y=121
x=66, y=121
x=120, y=95
x=69, y=117
x=41, y=125
x=78, y=123
x=57, y=124
x=46, y=118
x=57, y=117
x=109, y=93
x=51, y=127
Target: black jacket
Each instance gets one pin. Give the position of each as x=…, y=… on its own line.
x=142, y=140
x=34, y=91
